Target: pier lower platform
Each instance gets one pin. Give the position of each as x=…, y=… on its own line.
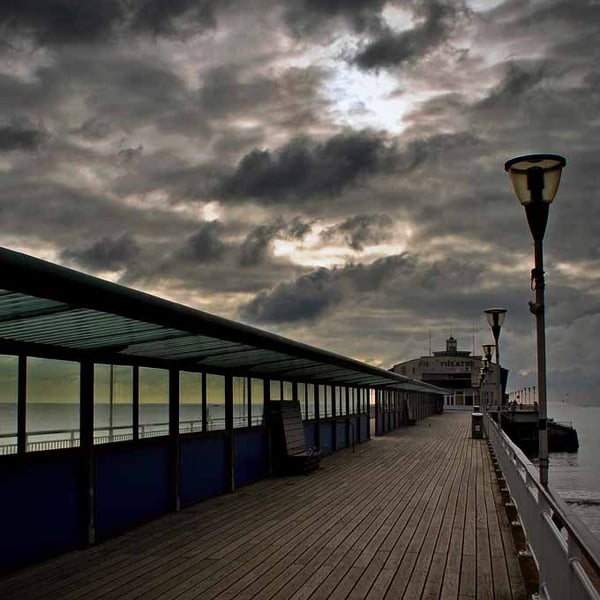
x=416, y=513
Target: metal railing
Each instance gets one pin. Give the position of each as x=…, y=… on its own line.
x=558, y=539
x=56, y=439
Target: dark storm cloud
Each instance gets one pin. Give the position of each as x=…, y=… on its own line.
x=304, y=168
x=160, y=17
x=306, y=298
x=312, y=295
x=361, y=230
x=127, y=155
x=305, y=17
x=519, y=79
x=390, y=48
x=256, y=247
x=105, y=254
x=95, y=128
x=21, y=134
x=74, y=21
x=206, y=244
x=228, y=88
x=62, y=21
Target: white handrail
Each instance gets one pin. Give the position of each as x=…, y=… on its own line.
x=557, y=552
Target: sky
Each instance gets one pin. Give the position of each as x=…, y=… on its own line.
x=328, y=170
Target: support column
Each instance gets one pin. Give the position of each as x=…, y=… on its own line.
x=174, y=449
x=86, y=416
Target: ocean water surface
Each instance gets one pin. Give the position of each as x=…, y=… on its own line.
x=576, y=476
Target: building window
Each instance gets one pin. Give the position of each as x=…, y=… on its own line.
x=113, y=403
x=190, y=402
x=241, y=398
x=275, y=390
x=215, y=401
x=257, y=401
x=9, y=367
x=153, y=402
x=52, y=404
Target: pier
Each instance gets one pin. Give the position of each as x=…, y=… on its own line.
x=416, y=513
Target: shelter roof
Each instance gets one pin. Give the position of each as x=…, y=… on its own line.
x=53, y=311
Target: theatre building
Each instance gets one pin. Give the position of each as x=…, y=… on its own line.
x=453, y=369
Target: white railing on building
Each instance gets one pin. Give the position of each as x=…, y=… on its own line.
x=559, y=553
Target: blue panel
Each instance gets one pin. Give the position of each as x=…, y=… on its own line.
x=132, y=485
x=354, y=430
x=251, y=450
x=341, y=438
x=39, y=509
x=326, y=437
x=379, y=423
x=203, y=470
x=309, y=434
x=364, y=427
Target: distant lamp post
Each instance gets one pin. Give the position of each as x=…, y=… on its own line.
x=487, y=351
x=535, y=179
x=495, y=319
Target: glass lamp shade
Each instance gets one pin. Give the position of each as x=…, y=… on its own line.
x=535, y=171
x=488, y=349
x=495, y=316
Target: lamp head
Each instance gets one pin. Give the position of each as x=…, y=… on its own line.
x=488, y=349
x=495, y=318
x=535, y=177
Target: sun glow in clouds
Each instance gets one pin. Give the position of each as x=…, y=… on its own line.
x=366, y=99
x=311, y=252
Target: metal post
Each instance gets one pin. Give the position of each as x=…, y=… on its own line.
x=498, y=376
x=537, y=308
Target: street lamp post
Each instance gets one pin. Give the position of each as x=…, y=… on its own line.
x=487, y=350
x=495, y=318
x=535, y=180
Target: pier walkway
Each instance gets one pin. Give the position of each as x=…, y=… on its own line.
x=414, y=514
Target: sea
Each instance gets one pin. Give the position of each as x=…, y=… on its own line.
x=576, y=476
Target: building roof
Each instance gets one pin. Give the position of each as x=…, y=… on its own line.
x=49, y=310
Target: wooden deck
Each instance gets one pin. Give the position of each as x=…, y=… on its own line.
x=414, y=514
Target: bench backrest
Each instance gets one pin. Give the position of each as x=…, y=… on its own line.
x=293, y=428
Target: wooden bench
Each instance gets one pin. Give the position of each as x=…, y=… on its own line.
x=289, y=452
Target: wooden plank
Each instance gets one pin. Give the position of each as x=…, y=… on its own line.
x=485, y=589
x=468, y=574
x=501, y=582
x=451, y=582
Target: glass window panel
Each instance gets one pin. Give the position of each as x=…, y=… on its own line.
x=257, y=401
x=113, y=403
x=215, y=401
x=154, y=402
x=9, y=367
x=240, y=401
x=302, y=399
x=328, y=401
x=310, y=400
x=275, y=389
x=288, y=390
x=322, y=402
x=52, y=404
x=190, y=402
